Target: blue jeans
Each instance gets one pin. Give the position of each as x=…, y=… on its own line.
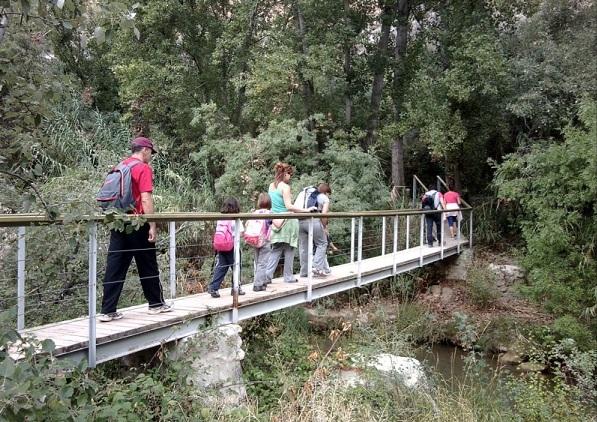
x=224, y=261
x=429, y=220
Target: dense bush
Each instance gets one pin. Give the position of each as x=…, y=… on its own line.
x=481, y=286
x=554, y=187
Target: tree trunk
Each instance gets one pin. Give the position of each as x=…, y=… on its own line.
x=402, y=14
x=348, y=69
x=379, y=67
x=242, y=90
x=398, y=162
x=307, y=85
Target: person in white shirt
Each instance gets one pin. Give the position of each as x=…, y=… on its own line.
x=320, y=232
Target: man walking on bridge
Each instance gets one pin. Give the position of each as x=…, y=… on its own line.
x=140, y=244
x=433, y=200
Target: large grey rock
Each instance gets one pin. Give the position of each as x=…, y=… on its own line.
x=457, y=270
x=447, y=295
x=509, y=274
x=214, y=357
x=409, y=370
x=511, y=357
x=435, y=290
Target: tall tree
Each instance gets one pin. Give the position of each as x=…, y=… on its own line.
x=379, y=64
x=402, y=26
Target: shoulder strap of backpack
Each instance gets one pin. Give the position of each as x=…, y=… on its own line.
x=305, y=196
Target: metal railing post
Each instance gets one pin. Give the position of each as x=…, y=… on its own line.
x=407, y=231
x=172, y=258
x=352, y=230
x=360, y=252
x=21, y=256
x=442, y=234
x=421, y=247
x=236, y=273
x=395, y=245
x=470, y=238
x=310, y=261
x=458, y=235
x=383, y=236
x=414, y=192
x=92, y=294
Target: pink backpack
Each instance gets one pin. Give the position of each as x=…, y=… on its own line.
x=223, y=240
x=256, y=232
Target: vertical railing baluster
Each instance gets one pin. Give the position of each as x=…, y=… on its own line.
x=92, y=294
x=407, y=231
x=383, y=235
x=360, y=252
x=21, y=256
x=442, y=234
x=458, y=234
x=236, y=272
x=310, y=261
x=421, y=247
x=395, y=245
x=172, y=258
x=470, y=238
x=352, y=230
x=414, y=192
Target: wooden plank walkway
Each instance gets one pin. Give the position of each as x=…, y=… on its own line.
x=71, y=336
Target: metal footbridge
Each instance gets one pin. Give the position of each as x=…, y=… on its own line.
x=375, y=245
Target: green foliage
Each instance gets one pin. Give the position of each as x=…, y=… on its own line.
x=251, y=160
x=481, y=286
x=537, y=399
x=568, y=327
x=554, y=187
x=276, y=362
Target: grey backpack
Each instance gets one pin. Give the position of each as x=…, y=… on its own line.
x=117, y=190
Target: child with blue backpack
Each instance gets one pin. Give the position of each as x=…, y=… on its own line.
x=223, y=243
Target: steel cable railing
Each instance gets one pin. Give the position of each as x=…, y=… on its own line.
x=185, y=266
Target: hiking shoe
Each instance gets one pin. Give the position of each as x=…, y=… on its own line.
x=159, y=309
x=240, y=292
x=214, y=293
x=259, y=288
x=319, y=274
x=110, y=317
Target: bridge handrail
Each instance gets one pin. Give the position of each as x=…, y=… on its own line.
x=32, y=219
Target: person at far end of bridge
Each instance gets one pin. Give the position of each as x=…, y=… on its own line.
x=319, y=197
x=453, y=202
x=433, y=200
x=139, y=244
x=223, y=244
x=284, y=237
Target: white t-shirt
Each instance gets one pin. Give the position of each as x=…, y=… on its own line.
x=322, y=199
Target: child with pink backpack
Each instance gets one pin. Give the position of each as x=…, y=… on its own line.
x=257, y=235
x=223, y=243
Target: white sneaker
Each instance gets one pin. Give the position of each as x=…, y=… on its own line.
x=110, y=317
x=159, y=309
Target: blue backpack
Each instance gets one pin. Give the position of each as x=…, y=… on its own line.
x=117, y=190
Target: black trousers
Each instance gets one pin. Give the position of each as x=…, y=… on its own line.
x=430, y=219
x=123, y=248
